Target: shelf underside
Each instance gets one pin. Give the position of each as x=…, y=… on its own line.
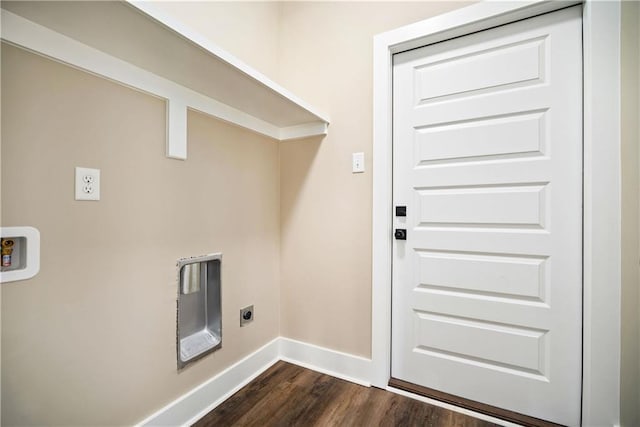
x=124, y=43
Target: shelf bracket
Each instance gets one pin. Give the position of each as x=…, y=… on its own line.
x=176, y=129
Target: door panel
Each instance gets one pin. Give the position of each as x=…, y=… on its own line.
x=463, y=338
x=519, y=205
x=487, y=288
x=508, y=277
x=492, y=68
x=495, y=137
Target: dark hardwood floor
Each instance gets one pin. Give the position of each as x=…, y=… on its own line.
x=288, y=395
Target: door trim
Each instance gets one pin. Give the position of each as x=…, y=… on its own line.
x=602, y=185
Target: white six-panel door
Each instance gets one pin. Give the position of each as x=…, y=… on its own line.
x=487, y=288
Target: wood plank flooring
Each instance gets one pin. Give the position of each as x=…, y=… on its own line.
x=288, y=395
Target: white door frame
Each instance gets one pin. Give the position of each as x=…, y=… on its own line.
x=602, y=209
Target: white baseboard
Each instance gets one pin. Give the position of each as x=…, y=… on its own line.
x=193, y=405
x=335, y=363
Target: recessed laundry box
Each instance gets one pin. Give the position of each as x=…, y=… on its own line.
x=199, y=329
x=20, y=253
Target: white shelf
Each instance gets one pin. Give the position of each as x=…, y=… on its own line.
x=137, y=45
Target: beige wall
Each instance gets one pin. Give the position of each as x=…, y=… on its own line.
x=326, y=58
x=630, y=322
x=297, y=208
x=91, y=339
x=247, y=30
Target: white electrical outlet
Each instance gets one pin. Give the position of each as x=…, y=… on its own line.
x=87, y=184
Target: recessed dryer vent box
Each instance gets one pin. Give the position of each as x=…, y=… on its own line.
x=199, y=326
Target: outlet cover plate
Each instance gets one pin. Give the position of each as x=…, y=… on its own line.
x=357, y=162
x=87, y=184
x=246, y=315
